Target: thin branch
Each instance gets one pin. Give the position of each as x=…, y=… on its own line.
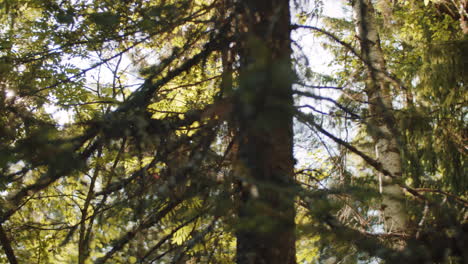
x=308, y=120
x=386, y=75
x=152, y=220
x=457, y=198
x=88, y=103
x=167, y=237
x=328, y=99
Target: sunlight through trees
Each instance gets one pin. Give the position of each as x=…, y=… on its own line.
x=233, y=131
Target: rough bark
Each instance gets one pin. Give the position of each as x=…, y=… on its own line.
x=381, y=121
x=263, y=111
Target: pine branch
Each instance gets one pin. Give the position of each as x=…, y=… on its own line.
x=152, y=220
x=139, y=100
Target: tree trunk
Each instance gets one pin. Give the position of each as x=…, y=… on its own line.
x=263, y=114
x=382, y=121
x=6, y=243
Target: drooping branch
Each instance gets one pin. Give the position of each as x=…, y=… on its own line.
x=383, y=73
x=139, y=100
x=328, y=99
x=309, y=120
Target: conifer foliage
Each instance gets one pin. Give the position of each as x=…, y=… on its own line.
x=197, y=131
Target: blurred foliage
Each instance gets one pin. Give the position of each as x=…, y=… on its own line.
x=115, y=144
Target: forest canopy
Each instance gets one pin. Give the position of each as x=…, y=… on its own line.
x=233, y=131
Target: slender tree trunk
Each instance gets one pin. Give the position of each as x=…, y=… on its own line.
x=263, y=111
x=85, y=229
x=6, y=244
x=382, y=121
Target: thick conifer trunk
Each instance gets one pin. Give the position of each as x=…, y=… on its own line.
x=263, y=111
x=382, y=120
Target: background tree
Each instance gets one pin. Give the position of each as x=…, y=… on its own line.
x=402, y=28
